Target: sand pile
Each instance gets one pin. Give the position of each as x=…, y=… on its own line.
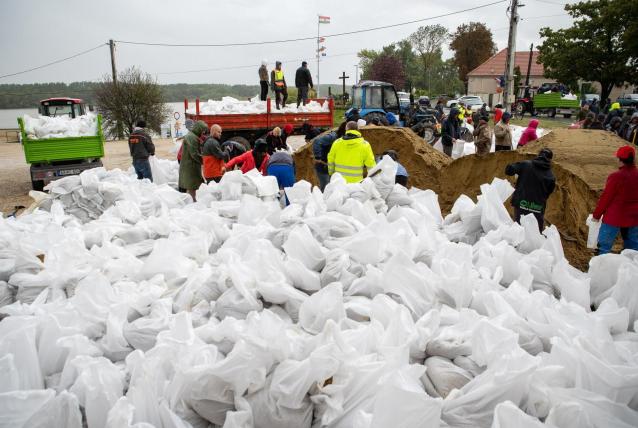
x=582, y=161
x=423, y=163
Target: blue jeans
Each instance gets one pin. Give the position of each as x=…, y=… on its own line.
x=322, y=175
x=143, y=169
x=607, y=236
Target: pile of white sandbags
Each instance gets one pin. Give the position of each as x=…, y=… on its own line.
x=43, y=127
x=358, y=307
x=230, y=105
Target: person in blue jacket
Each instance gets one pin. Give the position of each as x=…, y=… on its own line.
x=282, y=167
x=320, y=149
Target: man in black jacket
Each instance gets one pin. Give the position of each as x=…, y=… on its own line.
x=450, y=131
x=303, y=79
x=535, y=183
x=141, y=147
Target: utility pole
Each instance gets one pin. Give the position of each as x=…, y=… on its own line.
x=508, y=93
x=318, y=55
x=356, y=74
x=120, y=134
x=343, y=78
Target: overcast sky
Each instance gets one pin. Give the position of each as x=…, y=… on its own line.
x=36, y=32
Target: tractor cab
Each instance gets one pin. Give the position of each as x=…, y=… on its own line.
x=374, y=99
x=56, y=107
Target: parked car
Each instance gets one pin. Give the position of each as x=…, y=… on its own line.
x=591, y=97
x=628, y=100
x=404, y=99
x=472, y=101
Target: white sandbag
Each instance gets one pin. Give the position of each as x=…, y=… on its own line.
x=445, y=375
x=63, y=411
x=18, y=337
x=593, y=227
x=571, y=288
x=301, y=245
x=490, y=342
x=326, y=304
x=506, y=415
x=624, y=291
x=17, y=407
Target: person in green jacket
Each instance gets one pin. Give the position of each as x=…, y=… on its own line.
x=190, y=167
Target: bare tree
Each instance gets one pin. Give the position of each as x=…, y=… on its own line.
x=135, y=96
x=427, y=42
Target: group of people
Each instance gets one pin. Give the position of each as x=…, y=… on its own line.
x=277, y=82
x=624, y=124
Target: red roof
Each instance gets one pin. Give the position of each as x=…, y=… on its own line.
x=495, y=66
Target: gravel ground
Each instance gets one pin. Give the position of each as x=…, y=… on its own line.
x=15, y=181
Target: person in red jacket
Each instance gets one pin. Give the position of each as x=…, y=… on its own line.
x=618, y=205
x=256, y=158
x=529, y=134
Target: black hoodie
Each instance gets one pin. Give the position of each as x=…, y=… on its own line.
x=535, y=183
x=450, y=128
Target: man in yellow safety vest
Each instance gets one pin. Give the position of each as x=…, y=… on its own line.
x=350, y=154
x=279, y=86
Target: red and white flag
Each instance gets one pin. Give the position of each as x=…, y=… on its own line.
x=324, y=19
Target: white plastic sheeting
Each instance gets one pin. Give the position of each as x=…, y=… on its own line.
x=230, y=105
x=43, y=127
x=351, y=308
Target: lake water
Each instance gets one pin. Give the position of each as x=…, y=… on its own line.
x=8, y=117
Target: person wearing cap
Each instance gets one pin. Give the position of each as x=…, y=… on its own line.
x=263, y=80
x=529, y=134
x=350, y=155
x=190, y=167
x=534, y=185
x=303, y=80
x=482, y=136
x=503, y=133
x=141, y=146
x=618, y=204
x=287, y=132
x=256, y=158
x=279, y=87
x=281, y=166
x=402, y=175
x=614, y=111
x=213, y=157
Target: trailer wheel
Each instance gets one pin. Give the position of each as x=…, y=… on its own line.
x=243, y=141
x=551, y=112
x=37, y=185
x=429, y=134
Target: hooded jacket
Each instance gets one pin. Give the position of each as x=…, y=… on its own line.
x=140, y=144
x=482, y=139
x=529, y=134
x=503, y=134
x=450, y=128
x=263, y=73
x=213, y=158
x=535, y=183
x=247, y=162
x=618, y=204
x=190, y=167
x=614, y=111
x=321, y=147
x=349, y=155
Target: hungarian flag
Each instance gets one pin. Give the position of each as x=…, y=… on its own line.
x=324, y=19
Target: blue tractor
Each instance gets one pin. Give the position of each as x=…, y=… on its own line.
x=376, y=101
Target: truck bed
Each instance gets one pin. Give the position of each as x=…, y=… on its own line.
x=554, y=100
x=62, y=149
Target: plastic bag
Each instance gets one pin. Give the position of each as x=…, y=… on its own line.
x=17, y=407
x=507, y=415
x=445, y=375
x=326, y=304
x=592, y=232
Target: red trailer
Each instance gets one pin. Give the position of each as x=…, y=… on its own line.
x=253, y=126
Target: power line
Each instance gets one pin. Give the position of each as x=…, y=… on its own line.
x=236, y=67
x=54, y=62
x=300, y=39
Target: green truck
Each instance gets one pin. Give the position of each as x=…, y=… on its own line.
x=54, y=158
x=549, y=103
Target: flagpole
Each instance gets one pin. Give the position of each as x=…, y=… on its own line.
x=318, y=54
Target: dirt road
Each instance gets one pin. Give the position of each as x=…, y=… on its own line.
x=15, y=181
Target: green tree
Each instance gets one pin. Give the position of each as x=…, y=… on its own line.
x=427, y=42
x=472, y=45
x=135, y=96
x=600, y=46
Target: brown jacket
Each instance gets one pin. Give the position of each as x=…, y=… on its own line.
x=503, y=134
x=482, y=139
x=263, y=73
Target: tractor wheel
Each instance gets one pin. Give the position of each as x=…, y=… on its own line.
x=567, y=116
x=37, y=185
x=244, y=142
x=551, y=113
x=429, y=134
x=375, y=114
x=466, y=135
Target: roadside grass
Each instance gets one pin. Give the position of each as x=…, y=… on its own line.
x=545, y=122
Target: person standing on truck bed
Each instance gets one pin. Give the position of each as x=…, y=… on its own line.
x=141, y=147
x=190, y=168
x=213, y=157
x=263, y=80
x=303, y=79
x=279, y=87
